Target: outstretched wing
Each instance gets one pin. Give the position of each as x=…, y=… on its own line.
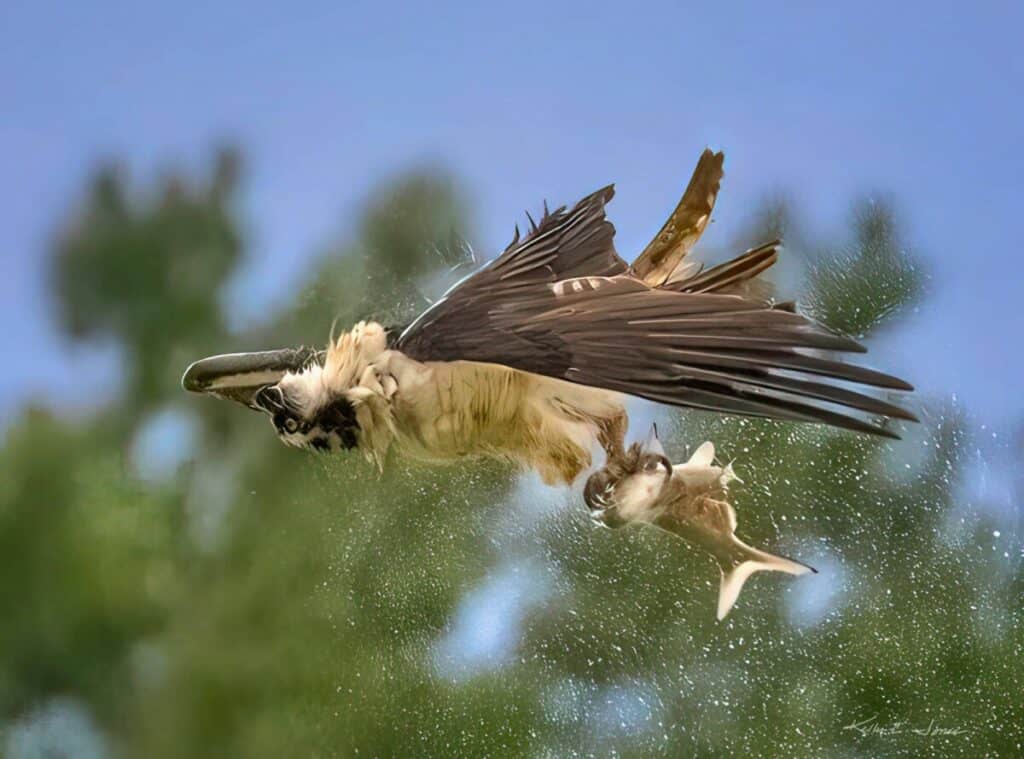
x=239, y=376
x=698, y=349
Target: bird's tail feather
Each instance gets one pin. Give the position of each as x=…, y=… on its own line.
x=666, y=253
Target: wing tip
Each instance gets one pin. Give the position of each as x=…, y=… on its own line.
x=710, y=154
x=190, y=380
x=606, y=193
x=885, y=432
x=204, y=374
x=903, y=385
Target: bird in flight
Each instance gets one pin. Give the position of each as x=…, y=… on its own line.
x=528, y=358
x=641, y=486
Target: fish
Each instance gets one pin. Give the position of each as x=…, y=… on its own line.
x=640, y=485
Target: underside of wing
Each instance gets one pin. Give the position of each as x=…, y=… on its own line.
x=239, y=376
x=701, y=350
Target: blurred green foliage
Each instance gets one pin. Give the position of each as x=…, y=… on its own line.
x=258, y=601
x=147, y=269
x=856, y=289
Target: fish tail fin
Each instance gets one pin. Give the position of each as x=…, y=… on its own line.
x=737, y=568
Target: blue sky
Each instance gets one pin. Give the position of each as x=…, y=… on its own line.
x=527, y=101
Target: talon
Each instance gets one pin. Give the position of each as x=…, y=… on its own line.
x=608, y=517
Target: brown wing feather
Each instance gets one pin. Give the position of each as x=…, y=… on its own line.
x=731, y=273
x=716, y=352
x=699, y=349
x=566, y=243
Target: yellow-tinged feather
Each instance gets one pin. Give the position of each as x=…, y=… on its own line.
x=439, y=411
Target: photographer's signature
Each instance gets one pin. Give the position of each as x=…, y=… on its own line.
x=872, y=726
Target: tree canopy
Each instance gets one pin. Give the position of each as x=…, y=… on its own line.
x=252, y=600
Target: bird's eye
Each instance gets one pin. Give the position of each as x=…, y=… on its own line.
x=291, y=425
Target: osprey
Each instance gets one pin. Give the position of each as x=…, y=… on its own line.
x=529, y=357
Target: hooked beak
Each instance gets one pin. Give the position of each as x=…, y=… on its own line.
x=241, y=377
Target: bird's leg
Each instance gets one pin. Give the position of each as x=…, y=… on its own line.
x=611, y=434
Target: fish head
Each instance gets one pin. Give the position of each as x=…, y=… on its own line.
x=629, y=487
